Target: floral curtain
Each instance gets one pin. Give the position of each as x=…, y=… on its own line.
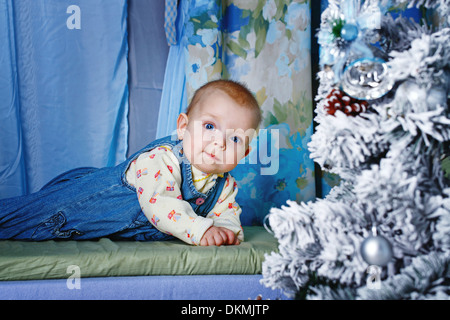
x=266, y=45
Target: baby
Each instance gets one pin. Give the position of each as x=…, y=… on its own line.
x=174, y=187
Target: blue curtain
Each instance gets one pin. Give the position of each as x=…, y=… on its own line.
x=174, y=99
x=148, y=50
x=63, y=89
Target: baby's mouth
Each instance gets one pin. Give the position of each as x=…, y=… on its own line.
x=210, y=155
x=213, y=158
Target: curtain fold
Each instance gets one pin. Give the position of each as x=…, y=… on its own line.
x=266, y=45
x=173, y=98
x=147, y=58
x=64, y=95
x=12, y=174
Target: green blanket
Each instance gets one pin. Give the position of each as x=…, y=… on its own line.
x=21, y=260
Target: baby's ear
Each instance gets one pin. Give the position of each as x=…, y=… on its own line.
x=182, y=123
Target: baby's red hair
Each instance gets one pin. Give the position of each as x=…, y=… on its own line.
x=235, y=90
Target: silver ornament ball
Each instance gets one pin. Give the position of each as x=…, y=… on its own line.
x=376, y=250
x=367, y=79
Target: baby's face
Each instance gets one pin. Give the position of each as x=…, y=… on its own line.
x=217, y=133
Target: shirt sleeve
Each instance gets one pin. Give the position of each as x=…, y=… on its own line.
x=157, y=182
x=226, y=213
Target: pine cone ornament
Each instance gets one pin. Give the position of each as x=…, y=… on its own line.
x=338, y=100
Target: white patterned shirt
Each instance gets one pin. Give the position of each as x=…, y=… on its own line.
x=156, y=175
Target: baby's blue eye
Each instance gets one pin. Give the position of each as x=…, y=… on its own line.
x=235, y=139
x=209, y=126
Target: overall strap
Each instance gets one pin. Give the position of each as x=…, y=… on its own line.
x=201, y=203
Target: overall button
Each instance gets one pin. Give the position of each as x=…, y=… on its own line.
x=199, y=201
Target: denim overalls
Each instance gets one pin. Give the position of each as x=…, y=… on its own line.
x=89, y=203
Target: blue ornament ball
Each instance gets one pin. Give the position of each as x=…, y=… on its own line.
x=349, y=32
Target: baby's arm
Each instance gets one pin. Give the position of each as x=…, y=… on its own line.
x=226, y=213
x=157, y=182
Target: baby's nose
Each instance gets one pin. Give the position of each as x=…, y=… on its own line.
x=219, y=142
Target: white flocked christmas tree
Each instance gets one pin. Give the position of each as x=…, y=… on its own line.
x=383, y=127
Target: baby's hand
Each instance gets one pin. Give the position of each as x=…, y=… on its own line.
x=217, y=236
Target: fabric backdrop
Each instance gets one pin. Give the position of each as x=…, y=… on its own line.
x=148, y=50
x=266, y=45
x=64, y=93
x=63, y=89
